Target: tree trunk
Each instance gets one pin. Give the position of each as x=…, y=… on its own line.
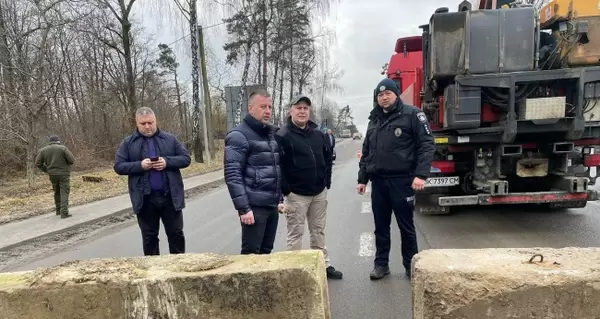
x=180, y=107
x=207, y=102
x=259, y=62
x=240, y=101
x=265, y=50
x=291, y=66
x=276, y=110
x=281, y=107
x=30, y=152
x=128, y=57
x=7, y=71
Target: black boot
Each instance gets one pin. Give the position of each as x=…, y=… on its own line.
x=379, y=272
x=333, y=273
x=408, y=273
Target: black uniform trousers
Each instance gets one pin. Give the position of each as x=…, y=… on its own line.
x=159, y=206
x=387, y=195
x=259, y=237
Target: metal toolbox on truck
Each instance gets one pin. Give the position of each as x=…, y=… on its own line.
x=482, y=41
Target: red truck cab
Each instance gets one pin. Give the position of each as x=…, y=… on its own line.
x=405, y=68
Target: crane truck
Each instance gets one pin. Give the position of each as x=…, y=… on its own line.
x=511, y=92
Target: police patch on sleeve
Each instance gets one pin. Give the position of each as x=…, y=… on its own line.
x=423, y=119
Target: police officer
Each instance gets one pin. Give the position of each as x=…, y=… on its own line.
x=396, y=157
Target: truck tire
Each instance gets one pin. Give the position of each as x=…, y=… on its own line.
x=427, y=204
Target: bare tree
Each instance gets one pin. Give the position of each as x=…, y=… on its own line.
x=32, y=82
x=168, y=61
x=78, y=68
x=121, y=41
x=290, y=59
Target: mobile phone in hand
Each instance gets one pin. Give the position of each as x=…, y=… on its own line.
x=154, y=159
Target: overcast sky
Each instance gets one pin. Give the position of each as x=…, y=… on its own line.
x=366, y=32
x=366, y=35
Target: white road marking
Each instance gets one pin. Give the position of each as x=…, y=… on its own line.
x=367, y=245
x=366, y=208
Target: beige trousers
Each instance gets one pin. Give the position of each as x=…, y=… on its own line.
x=312, y=209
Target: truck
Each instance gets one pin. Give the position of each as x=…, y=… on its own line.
x=346, y=133
x=511, y=92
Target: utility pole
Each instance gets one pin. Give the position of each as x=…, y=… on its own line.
x=203, y=93
x=197, y=141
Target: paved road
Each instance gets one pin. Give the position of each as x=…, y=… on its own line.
x=212, y=226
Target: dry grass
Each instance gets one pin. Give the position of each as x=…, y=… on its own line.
x=17, y=201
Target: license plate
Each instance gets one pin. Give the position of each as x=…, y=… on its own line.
x=442, y=181
x=440, y=140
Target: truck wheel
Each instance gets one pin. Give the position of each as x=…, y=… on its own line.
x=427, y=204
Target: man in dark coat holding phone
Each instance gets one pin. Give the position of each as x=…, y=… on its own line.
x=152, y=159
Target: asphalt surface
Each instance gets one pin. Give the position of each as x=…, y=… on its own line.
x=211, y=225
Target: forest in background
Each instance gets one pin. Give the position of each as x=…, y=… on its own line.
x=80, y=68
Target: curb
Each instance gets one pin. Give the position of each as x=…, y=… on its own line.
x=120, y=216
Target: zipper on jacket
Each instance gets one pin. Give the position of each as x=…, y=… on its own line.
x=293, y=153
x=277, y=178
x=313, y=156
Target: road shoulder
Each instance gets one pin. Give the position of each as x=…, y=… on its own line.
x=24, y=231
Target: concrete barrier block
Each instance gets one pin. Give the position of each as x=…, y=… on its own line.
x=507, y=283
x=280, y=285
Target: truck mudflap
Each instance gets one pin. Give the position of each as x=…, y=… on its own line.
x=561, y=198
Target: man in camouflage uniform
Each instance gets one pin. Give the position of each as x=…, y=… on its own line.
x=56, y=160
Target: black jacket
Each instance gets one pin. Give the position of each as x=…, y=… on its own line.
x=306, y=159
x=398, y=143
x=330, y=142
x=252, y=171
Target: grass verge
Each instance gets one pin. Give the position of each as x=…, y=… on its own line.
x=17, y=201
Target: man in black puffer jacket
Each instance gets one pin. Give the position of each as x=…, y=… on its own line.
x=253, y=175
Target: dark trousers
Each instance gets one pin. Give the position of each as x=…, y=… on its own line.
x=61, y=187
x=259, y=237
x=397, y=195
x=156, y=207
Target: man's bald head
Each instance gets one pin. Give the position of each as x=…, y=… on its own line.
x=260, y=106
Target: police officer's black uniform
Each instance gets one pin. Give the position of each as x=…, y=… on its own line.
x=397, y=148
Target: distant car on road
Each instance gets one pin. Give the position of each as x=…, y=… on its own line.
x=357, y=136
x=346, y=134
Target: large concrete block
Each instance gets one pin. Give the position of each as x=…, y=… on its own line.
x=281, y=285
x=503, y=283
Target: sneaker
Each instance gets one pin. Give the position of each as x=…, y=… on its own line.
x=332, y=273
x=379, y=272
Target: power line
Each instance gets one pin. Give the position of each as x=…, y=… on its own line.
x=187, y=35
x=281, y=6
